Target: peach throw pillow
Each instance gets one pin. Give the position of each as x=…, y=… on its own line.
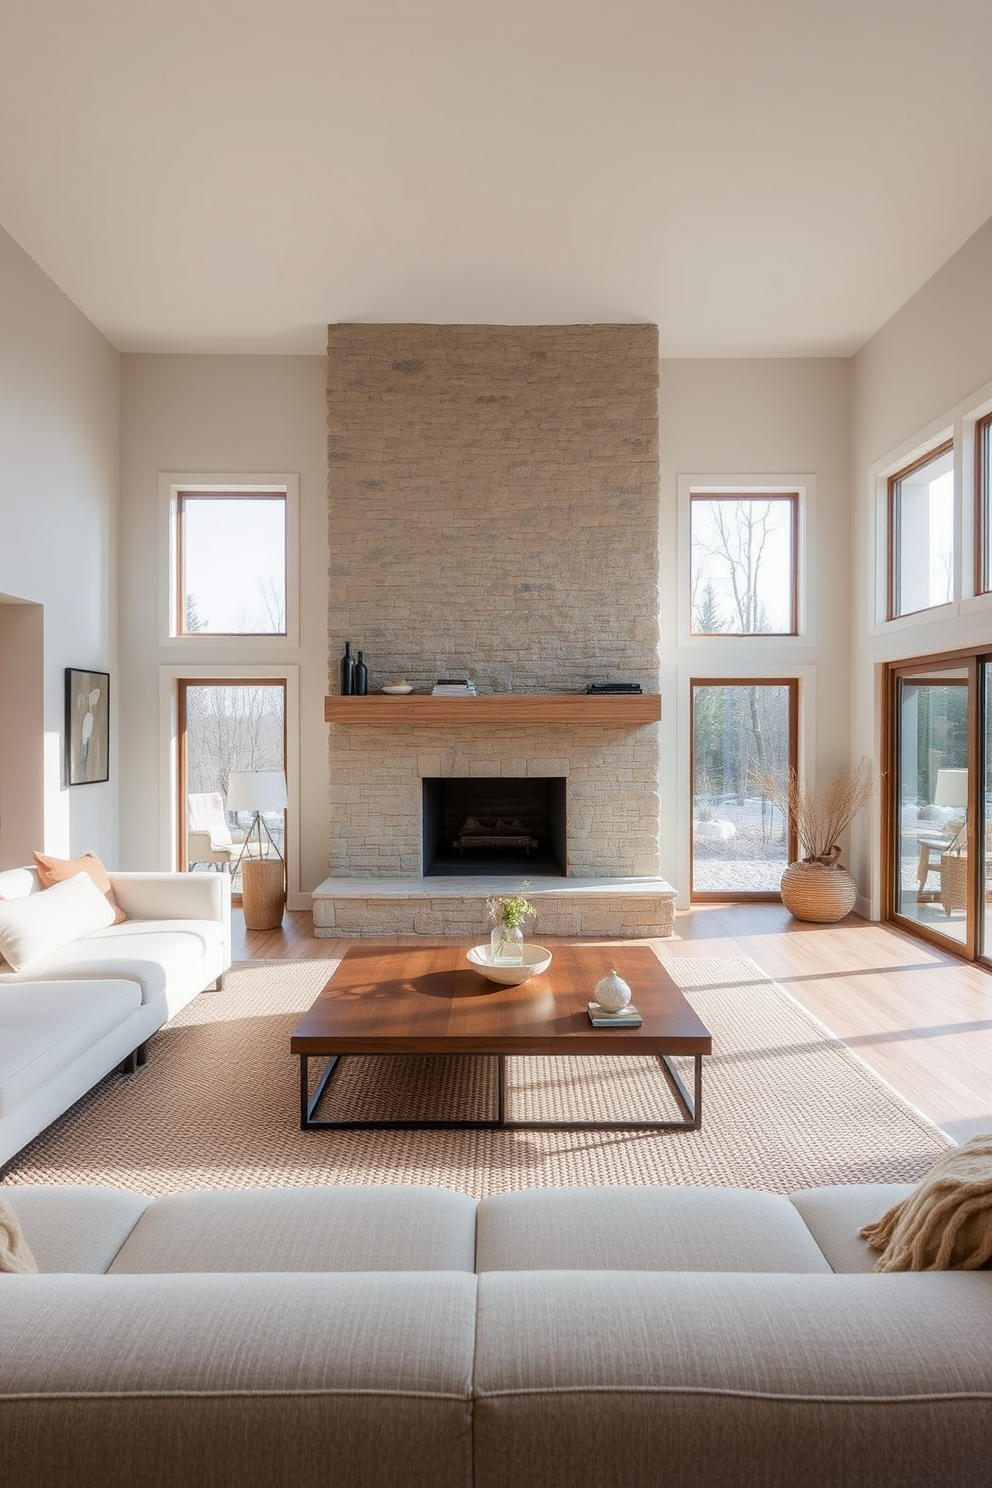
x=57, y=870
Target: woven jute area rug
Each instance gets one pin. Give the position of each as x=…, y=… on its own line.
x=785, y=1105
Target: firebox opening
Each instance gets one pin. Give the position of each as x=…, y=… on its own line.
x=502, y=825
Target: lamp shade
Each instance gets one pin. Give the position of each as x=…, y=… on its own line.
x=951, y=788
x=257, y=790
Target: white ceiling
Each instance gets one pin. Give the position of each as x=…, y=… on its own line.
x=760, y=177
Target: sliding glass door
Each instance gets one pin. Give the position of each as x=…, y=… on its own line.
x=984, y=825
x=939, y=769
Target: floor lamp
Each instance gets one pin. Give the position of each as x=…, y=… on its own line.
x=263, y=878
x=951, y=789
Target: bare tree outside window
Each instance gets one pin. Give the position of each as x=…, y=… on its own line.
x=743, y=564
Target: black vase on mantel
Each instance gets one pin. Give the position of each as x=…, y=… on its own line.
x=361, y=677
x=347, y=671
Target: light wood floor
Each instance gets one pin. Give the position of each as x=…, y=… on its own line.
x=922, y=1020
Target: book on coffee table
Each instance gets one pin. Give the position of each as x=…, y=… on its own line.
x=627, y=1017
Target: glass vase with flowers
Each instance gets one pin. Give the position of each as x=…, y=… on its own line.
x=508, y=913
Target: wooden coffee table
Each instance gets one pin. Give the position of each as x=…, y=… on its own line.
x=428, y=1000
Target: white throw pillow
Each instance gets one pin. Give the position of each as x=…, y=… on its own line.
x=37, y=924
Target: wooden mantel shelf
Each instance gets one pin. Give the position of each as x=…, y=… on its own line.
x=523, y=708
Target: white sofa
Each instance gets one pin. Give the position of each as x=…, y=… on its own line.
x=80, y=1009
x=376, y=1337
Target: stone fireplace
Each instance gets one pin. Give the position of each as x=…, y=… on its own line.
x=493, y=513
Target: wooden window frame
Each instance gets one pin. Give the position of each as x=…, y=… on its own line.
x=722, y=896
x=183, y=497
x=983, y=495
x=896, y=672
x=892, y=538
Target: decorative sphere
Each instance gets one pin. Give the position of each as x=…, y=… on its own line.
x=612, y=992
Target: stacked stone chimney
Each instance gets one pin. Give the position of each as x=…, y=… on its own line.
x=493, y=512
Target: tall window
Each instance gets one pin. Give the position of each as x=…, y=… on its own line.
x=921, y=534
x=231, y=563
x=743, y=564
x=741, y=730
x=983, y=468
x=225, y=725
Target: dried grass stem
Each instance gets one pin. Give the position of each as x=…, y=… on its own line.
x=818, y=823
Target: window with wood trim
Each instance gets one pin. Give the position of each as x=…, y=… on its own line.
x=230, y=563
x=921, y=534
x=225, y=724
x=742, y=729
x=983, y=496
x=744, y=563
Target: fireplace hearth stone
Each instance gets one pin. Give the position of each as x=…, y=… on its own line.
x=621, y=908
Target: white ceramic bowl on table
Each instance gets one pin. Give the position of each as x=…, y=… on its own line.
x=397, y=689
x=536, y=958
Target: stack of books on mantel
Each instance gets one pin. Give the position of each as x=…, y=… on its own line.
x=453, y=687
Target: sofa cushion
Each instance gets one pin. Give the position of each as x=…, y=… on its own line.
x=631, y=1380
x=57, y=870
x=149, y=952
x=196, y=1380
x=47, y=1024
x=834, y=1217
x=39, y=925
x=304, y=1229
x=74, y=1227
x=643, y=1229
x=16, y=882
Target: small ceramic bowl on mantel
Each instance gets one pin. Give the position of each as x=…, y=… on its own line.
x=397, y=688
x=536, y=958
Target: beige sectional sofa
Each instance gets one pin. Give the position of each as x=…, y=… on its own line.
x=83, y=1006
x=608, y=1338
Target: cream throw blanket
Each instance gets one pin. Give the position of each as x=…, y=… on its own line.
x=14, y=1252
x=946, y=1225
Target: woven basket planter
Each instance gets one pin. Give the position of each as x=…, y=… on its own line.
x=953, y=881
x=814, y=891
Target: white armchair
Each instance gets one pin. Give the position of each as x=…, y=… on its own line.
x=208, y=836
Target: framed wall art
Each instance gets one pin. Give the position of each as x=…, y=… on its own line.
x=87, y=726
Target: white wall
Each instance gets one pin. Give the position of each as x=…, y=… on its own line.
x=59, y=434
x=916, y=380
x=934, y=351
x=228, y=416
x=741, y=419
x=265, y=414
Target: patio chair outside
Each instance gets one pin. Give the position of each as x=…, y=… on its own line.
x=208, y=836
